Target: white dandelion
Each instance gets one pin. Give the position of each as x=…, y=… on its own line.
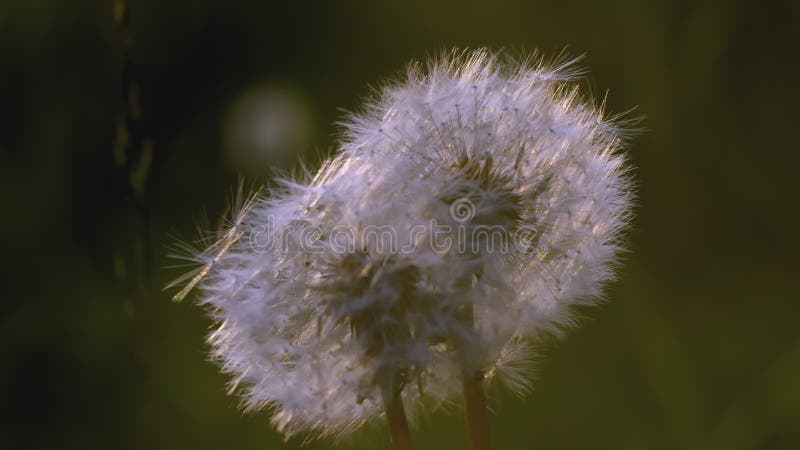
x=472, y=205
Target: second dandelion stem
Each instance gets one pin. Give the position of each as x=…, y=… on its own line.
x=396, y=417
x=475, y=411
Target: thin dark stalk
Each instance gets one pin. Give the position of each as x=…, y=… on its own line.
x=133, y=150
x=475, y=410
x=396, y=417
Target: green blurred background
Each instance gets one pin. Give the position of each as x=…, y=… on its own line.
x=699, y=347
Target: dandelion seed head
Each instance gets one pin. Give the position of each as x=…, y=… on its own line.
x=520, y=145
x=503, y=152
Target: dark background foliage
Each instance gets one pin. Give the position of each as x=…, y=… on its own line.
x=699, y=346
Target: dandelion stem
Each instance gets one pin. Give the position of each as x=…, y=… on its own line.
x=398, y=425
x=475, y=410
